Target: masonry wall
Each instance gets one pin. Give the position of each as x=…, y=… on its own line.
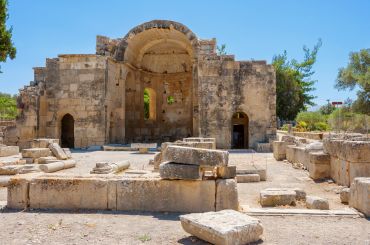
x=76, y=85
x=227, y=86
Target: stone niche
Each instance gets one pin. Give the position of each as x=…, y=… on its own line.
x=187, y=90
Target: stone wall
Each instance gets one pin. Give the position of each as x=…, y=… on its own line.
x=226, y=87
x=193, y=92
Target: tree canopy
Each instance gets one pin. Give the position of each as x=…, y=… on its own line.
x=357, y=74
x=294, y=82
x=7, y=48
x=8, y=106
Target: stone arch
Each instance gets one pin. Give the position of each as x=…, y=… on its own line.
x=67, y=135
x=240, y=130
x=122, y=46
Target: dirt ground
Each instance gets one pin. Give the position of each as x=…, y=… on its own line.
x=57, y=227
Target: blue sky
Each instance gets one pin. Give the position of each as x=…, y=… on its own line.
x=250, y=29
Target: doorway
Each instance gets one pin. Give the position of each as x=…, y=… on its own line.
x=240, y=132
x=67, y=134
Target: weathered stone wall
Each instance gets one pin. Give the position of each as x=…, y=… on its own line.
x=76, y=85
x=226, y=87
x=104, y=93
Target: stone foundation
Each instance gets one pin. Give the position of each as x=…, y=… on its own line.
x=147, y=193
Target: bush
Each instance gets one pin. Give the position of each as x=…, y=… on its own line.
x=311, y=120
x=8, y=106
x=343, y=119
x=284, y=127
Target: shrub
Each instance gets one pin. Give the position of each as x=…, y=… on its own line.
x=343, y=119
x=311, y=120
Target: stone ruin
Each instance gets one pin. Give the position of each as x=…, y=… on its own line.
x=96, y=99
x=179, y=178
x=45, y=156
x=345, y=158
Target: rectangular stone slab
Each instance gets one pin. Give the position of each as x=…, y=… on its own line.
x=196, y=156
x=36, y=153
x=166, y=195
x=227, y=227
x=6, y=151
x=360, y=195
x=168, y=170
x=68, y=193
x=276, y=197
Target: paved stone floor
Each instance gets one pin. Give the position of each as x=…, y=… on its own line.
x=36, y=227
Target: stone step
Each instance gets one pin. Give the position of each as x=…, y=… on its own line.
x=247, y=178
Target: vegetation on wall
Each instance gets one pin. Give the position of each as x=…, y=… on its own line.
x=294, y=82
x=7, y=48
x=8, y=106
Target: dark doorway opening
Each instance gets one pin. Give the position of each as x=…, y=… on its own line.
x=238, y=136
x=240, y=132
x=68, y=132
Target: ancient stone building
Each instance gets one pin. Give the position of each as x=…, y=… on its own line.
x=96, y=99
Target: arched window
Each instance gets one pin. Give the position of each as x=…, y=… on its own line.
x=149, y=104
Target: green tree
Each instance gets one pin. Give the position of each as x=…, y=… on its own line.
x=8, y=106
x=327, y=109
x=294, y=82
x=6, y=45
x=221, y=50
x=357, y=74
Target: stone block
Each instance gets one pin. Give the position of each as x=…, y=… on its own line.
x=226, y=194
x=356, y=151
x=43, y=143
x=166, y=195
x=279, y=149
x=143, y=150
x=247, y=178
x=169, y=170
x=358, y=169
x=360, y=195
x=10, y=169
x=253, y=169
x=226, y=172
x=277, y=197
x=4, y=181
x=68, y=193
x=57, y=151
x=290, y=153
x=313, y=202
x=18, y=193
x=339, y=171
x=27, y=160
x=36, y=153
x=46, y=160
x=227, y=227
x=6, y=151
x=157, y=160
x=300, y=194
x=196, y=156
x=344, y=195
x=319, y=165
x=68, y=152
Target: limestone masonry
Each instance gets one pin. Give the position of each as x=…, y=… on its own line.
x=96, y=99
